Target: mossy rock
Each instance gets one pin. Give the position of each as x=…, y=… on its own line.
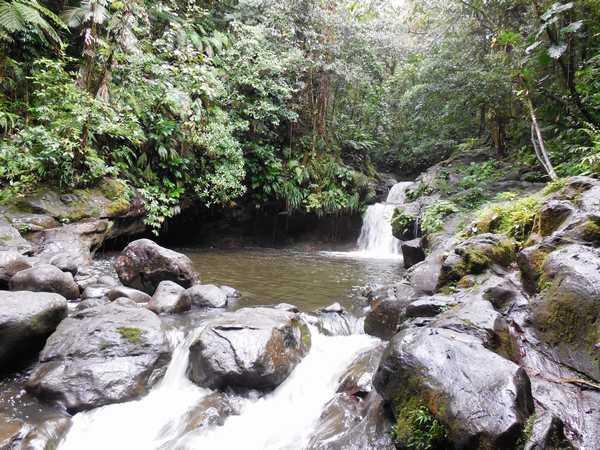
x=475, y=255
x=566, y=313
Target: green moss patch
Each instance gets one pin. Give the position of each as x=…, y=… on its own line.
x=131, y=334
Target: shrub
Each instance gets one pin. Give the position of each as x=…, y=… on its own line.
x=434, y=215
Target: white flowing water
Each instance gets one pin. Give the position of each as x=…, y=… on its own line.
x=376, y=238
x=283, y=419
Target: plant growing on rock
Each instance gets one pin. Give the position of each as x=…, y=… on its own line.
x=434, y=215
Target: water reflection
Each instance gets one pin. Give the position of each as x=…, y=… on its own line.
x=307, y=280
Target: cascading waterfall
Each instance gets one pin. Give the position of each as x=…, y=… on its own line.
x=376, y=238
x=283, y=419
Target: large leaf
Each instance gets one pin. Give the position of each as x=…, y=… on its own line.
x=555, y=9
x=556, y=51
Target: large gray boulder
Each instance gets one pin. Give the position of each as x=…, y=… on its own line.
x=206, y=296
x=45, y=278
x=143, y=264
x=481, y=398
x=26, y=320
x=101, y=355
x=255, y=348
x=168, y=299
x=566, y=314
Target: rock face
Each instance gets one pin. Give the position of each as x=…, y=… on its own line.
x=45, y=278
x=482, y=398
x=206, y=296
x=567, y=312
x=100, y=355
x=26, y=320
x=143, y=264
x=255, y=348
x=169, y=299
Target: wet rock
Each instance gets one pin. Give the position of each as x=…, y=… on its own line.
x=230, y=292
x=385, y=318
x=531, y=262
x=553, y=214
x=11, y=239
x=71, y=246
x=357, y=380
x=255, y=348
x=429, y=306
x=334, y=320
x=168, y=299
x=566, y=314
x=481, y=398
x=475, y=255
x=133, y=294
x=27, y=222
x=26, y=320
x=107, y=280
x=95, y=291
x=12, y=262
x=91, y=303
x=46, y=436
x=213, y=409
x=143, y=264
x=206, y=296
x=500, y=291
x=287, y=307
x=425, y=276
x=99, y=356
x=478, y=318
x=45, y=278
x=10, y=432
x=355, y=418
x=412, y=252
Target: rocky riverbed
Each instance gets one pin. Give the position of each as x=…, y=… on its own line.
x=486, y=343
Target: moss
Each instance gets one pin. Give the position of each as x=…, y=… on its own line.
x=565, y=317
x=417, y=415
x=131, y=334
x=554, y=186
x=516, y=219
x=591, y=230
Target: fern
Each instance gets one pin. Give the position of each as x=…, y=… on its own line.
x=20, y=15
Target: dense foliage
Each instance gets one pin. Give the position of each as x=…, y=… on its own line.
x=289, y=105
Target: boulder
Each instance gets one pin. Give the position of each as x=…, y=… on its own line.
x=231, y=292
x=425, y=276
x=26, y=320
x=71, y=246
x=385, y=318
x=143, y=264
x=133, y=294
x=101, y=355
x=352, y=423
x=254, y=348
x=46, y=436
x=429, y=306
x=566, y=314
x=10, y=432
x=11, y=239
x=95, y=291
x=91, y=303
x=169, y=299
x=206, y=296
x=475, y=255
x=12, y=262
x=334, y=320
x=412, y=252
x=482, y=399
x=45, y=278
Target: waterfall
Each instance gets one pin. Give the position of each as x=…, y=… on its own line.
x=282, y=419
x=376, y=237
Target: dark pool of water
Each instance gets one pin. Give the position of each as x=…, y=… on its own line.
x=308, y=280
